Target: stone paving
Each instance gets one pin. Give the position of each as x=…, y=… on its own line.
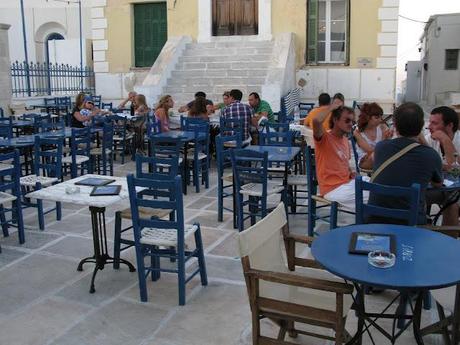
x=45, y=301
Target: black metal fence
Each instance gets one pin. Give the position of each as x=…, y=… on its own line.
x=40, y=79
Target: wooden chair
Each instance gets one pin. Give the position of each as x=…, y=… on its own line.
x=306, y=295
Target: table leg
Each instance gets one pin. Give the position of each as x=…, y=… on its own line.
x=101, y=256
x=417, y=318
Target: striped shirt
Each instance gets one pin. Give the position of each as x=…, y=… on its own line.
x=239, y=110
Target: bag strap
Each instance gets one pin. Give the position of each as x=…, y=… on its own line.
x=390, y=160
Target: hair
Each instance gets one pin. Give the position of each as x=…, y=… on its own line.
x=162, y=102
x=408, y=119
x=226, y=93
x=141, y=100
x=337, y=113
x=79, y=100
x=200, y=94
x=340, y=96
x=367, y=111
x=449, y=116
x=236, y=94
x=198, y=107
x=255, y=94
x=324, y=99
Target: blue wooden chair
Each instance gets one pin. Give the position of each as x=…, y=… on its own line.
x=276, y=134
x=225, y=180
x=123, y=140
x=103, y=156
x=47, y=171
x=6, y=127
x=2, y=113
x=107, y=106
x=10, y=194
x=251, y=181
x=80, y=157
x=232, y=126
x=160, y=167
x=97, y=100
x=151, y=235
x=58, y=127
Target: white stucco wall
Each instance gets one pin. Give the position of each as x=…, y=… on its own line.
x=42, y=18
x=5, y=78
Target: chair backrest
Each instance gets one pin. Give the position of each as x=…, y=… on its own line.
x=157, y=194
x=231, y=126
x=107, y=106
x=408, y=215
x=50, y=101
x=51, y=126
x=153, y=127
x=305, y=108
x=250, y=167
x=107, y=137
x=224, y=144
x=263, y=244
x=312, y=179
x=2, y=114
x=164, y=159
x=6, y=127
x=355, y=152
x=120, y=125
x=276, y=134
x=48, y=156
x=81, y=142
x=288, y=103
x=63, y=101
x=97, y=100
x=188, y=123
x=10, y=173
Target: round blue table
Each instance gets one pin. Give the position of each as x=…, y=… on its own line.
x=424, y=260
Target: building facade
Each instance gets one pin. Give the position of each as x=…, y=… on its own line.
x=346, y=46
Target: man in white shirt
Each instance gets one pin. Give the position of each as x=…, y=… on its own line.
x=444, y=136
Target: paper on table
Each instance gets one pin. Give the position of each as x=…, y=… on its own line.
x=448, y=183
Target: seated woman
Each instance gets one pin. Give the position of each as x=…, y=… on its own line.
x=370, y=131
x=141, y=111
x=161, y=111
x=199, y=109
x=83, y=111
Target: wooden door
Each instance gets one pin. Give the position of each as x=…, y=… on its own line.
x=234, y=17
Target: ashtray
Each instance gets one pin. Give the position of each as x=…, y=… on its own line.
x=72, y=189
x=381, y=259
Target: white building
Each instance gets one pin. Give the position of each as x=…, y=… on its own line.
x=49, y=23
x=440, y=63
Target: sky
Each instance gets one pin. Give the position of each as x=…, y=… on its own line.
x=409, y=32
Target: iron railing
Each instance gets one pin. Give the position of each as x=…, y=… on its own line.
x=41, y=78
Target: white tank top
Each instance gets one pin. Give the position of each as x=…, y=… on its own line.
x=371, y=143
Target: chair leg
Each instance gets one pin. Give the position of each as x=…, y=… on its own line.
x=240, y=212
x=141, y=273
x=117, y=238
x=200, y=256
x=4, y=223
x=311, y=216
x=427, y=300
x=20, y=220
x=41, y=218
x=181, y=273
x=58, y=211
x=333, y=217
x=220, y=200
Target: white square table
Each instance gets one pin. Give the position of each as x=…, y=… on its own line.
x=97, y=206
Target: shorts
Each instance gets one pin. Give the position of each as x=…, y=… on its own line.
x=345, y=195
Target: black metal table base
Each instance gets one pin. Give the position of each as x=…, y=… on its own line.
x=101, y=256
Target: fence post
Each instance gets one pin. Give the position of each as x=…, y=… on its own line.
x=48, y=78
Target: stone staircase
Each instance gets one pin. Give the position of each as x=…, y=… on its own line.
x=217, y=67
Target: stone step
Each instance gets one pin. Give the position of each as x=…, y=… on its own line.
x=226, y=58
x=231, y=44
x=226, y=52
x=214, y=93
x=223, y=72
x=237, y=67
x=227, y=81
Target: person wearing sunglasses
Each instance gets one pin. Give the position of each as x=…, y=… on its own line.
x=332, y=155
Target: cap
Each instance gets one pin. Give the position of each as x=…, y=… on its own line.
x=88, y=99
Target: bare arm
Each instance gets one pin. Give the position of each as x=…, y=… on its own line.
x=317, y=122
x=183, y=109
x=362, y=143
x=446, y=144
x=122, y=104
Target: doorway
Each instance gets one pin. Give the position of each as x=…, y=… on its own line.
x=235, y=17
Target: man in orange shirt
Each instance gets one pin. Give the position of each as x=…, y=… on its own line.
x=324, y=100
x=332, y=153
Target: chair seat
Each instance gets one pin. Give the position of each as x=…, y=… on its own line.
x=191, y=155
x=307, y=297
x=255, y=189
x=6, y=197
x=164, y=237
x=78, y=158
x=297, y=180
x=120, y=138
x=31, y=180
x=4, y=166
x=231, y=143
x=146, y=212
x=445, y=297
x=98, y=151
x=319, y=198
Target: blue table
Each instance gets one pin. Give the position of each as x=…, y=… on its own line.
x=423, y=260
x=277, y=154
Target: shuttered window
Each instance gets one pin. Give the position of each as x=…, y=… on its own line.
x=150, y=32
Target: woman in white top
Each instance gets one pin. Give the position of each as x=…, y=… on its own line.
x=370, y=131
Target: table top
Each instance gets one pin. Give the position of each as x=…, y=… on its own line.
x=43, y=105
x=277, y=153
x=57, y=192
x=182, y=135
x=424, y=259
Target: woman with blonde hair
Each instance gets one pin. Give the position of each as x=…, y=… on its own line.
x=141, y=111
x=161, y=111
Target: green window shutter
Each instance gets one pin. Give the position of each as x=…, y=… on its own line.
x=150, y=32
x=312, y=32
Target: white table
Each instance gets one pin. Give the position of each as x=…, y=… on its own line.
x=97, y=206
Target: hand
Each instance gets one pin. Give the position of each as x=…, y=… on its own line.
x=439, y=135
x=388, y=134
x=335, y=104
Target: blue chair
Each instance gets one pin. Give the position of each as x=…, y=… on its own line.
x=276, y=134
x=164, y=167
x=232, y=126
x=10, y=192
x=250, y=173
x=107, y=106
x=47, y=171
x=152, y=235
x=305, y=108
x=45, y=126
x=97, y=100
x=123, y=140
x=2, y=113
x=6, y=127
x=224, y=144
x=80, y=157
x=102, y=157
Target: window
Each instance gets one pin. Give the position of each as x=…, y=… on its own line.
x=451, y=59
x=327, y=36
x=150, y=32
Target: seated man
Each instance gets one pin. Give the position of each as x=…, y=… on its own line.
x=421, y=164
x=131, y=99
x=261, y=109
x=225, y=101
x=209, y=105
x=324, y=101
x=239, y=110
x=332, y=153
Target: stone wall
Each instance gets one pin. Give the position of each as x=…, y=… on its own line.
x=5, y=76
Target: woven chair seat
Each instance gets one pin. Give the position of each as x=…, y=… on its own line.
x=78, y=158
x=255, y=189
x=228, y=178
x=5, y=197
x=230, y=143
x=146, y=212
x=164, y=237
x=191, y=155
x=120, y=138
x=297, y=180
x=98, y=151
x=31, y=180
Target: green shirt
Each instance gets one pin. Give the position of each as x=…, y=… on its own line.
x=265, y=107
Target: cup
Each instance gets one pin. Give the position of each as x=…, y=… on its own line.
x=381, y=259
x=72, y=189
